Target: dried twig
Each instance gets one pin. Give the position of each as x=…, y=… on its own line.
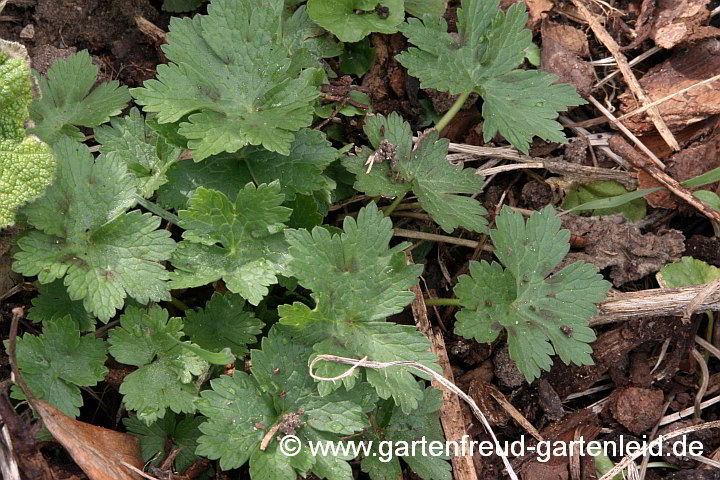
x=602, y=120
x=138, y=471
x=269, y=436
x=149, y=29
x=705, y=380
x=674, y=417
x=653, y=433
x=507, y=168
x=669, y=97
x=515, y=414
x=555, y=166
x=704, y=293
x=627, y=73
x=433, y=237
x=451, y=414
x=339, y=98
x=621, y=147
x=627, y=132
x=653, y=302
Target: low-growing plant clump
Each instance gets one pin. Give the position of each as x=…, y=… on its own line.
x=215, y=185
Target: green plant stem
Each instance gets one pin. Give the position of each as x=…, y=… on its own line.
x=157, y=210
x=179, y=304
x=450, y=114
x=454, y=302
x=394, y=204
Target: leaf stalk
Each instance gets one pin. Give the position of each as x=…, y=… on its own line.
x=455, y=302
x=394, y=204
x=450, y=114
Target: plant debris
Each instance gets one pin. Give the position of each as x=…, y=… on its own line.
x=613, y=241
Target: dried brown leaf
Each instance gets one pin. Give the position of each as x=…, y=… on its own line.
x=696, y=159
x=614, y=242
x=99, y=452
x=536, y=9
x=562, y=47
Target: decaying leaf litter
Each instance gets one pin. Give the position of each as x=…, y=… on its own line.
x=646, y=375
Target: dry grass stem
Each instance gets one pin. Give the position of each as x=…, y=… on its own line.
x=627, y=73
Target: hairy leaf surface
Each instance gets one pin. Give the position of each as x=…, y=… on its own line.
x=543, y=314
x=146, y=154
x=483, y=57
x=58, y=361
x=68, y=99
x=26, y=163
x=424, y=170
x=357, y=282
x=86, y=235
x=241, y=410
x=240, y=240
x=230, y=71
x=391, y=424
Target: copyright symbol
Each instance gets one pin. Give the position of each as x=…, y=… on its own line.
x=290, y=445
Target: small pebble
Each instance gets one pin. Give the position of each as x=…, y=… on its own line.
x=28, y=31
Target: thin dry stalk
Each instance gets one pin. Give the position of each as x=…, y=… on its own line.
x=628, y=74
x=554, y=166
x=269, y=436
x=621, y=147
x=433, y=237
x=452, y=416
x=605, y=149
x=507, y=168
x=646, y=458
x=704, y=293
x=668, y=97
x=622, y=465
x=445, y=383
x=705, y=381
x=515, y=414
x=707, y=461
x=139, y=472
x=627, y=132
x=575, y=457
x=708, y=346
x=643, y=56
x=674, y=417
x=149, y=29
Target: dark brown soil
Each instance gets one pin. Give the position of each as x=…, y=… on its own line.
x=105, y=28
x=628, y=254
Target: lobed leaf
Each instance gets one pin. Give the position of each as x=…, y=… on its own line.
x=357, y=282
x=85, y=234
x=483, y=57
x=68, y=99
x=58, y=361
x=230, y=80
x=146, y=154
x=240, y=241
x=543, y=315
x=424, y=170
x=241, y=410
x=223, y=323
x=341, y=17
